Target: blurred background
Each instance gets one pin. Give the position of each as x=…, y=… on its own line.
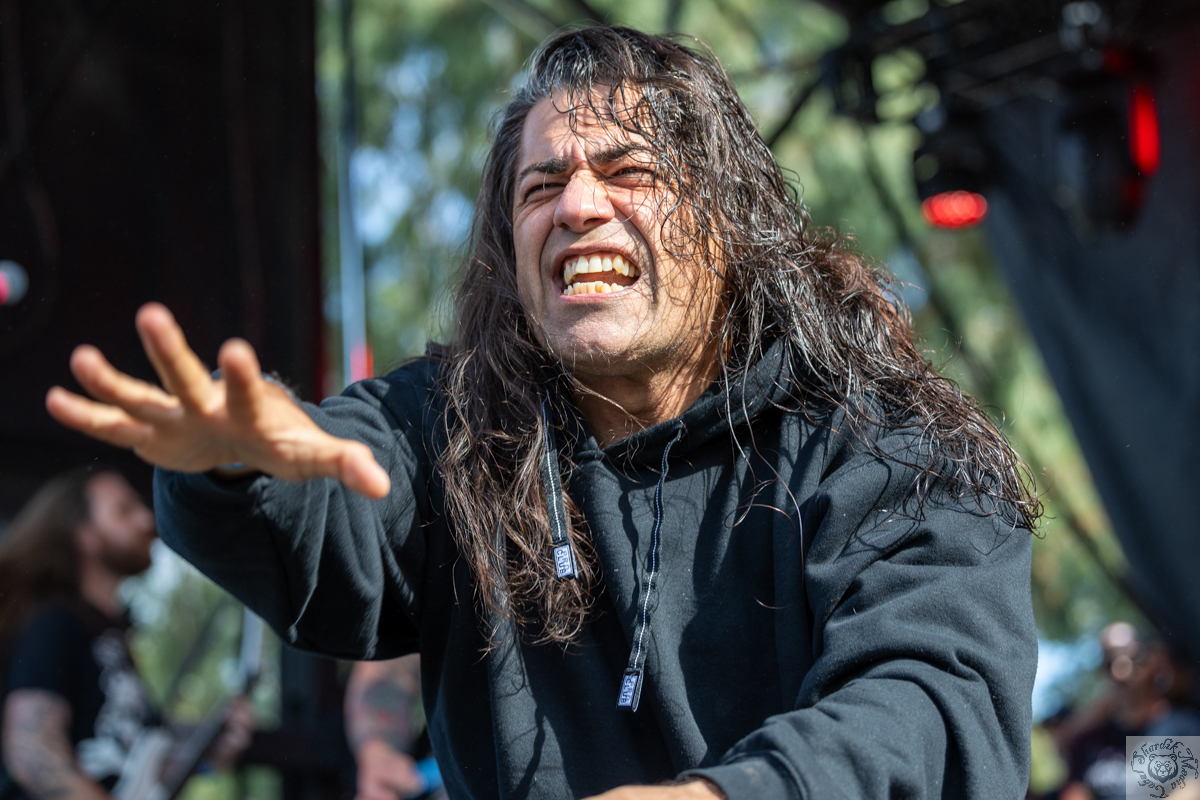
x=302, y=174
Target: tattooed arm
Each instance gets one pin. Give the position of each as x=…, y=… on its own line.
x=382, y=724
x=37, y=748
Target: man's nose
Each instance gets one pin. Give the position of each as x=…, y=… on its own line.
x=584, y=203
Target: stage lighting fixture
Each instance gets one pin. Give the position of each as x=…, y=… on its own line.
x=951, y=169
x=1108, y=148
x=1143, y=129
x=958, y=209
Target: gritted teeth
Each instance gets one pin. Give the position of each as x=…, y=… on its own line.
x=592, y=287
x=596, y=263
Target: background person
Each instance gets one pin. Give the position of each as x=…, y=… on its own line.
x=384, y=722
x=1146, y=693
x=73, y=704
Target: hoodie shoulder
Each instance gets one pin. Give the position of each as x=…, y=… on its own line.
x=406, y=394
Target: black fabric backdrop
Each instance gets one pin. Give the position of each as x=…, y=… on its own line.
x=174, y=159
x=1117, y=318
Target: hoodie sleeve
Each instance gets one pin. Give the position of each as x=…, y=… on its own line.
x=925, y=651
x=328, y=569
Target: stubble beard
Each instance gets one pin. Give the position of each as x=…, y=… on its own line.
x=126, y=561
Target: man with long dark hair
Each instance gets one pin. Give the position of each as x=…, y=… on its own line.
x=679, y=501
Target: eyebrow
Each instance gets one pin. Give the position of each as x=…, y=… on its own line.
x=551, y=166
x=558, y=165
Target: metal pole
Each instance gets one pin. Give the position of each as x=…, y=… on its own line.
x=355, y=357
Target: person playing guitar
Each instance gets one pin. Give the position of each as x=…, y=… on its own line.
x=75, y=712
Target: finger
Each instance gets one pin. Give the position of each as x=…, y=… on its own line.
x=237, y=739
x=388, y=782
x=180, y=369
x=241, y=721
x=312, y=453
x=104, y=422
x=402, y=782
x=373, y=783
x=410, y=783
x=375, y=791
x=244, y=385
x=238, y=718
x=241, y=709
x=320, y=455
x=360, y=472
x=105, y=383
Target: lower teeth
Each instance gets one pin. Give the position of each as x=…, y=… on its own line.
x=591, y=287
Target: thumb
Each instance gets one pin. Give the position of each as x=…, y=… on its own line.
x=360, y=472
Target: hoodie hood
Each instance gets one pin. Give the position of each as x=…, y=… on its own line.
x=715, y=413
x=769, y=382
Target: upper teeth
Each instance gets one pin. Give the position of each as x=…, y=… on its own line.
x=597, y=263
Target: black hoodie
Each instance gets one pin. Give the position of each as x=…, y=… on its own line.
x=806, y=632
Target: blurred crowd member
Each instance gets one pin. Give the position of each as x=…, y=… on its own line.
x=384, y=724
x=73, y=705
x=1145, y=696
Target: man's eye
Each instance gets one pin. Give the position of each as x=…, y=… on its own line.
x=543, y=186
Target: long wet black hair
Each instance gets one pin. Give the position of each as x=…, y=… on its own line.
x=731, y=211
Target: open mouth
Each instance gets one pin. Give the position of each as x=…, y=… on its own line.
x=597, y=273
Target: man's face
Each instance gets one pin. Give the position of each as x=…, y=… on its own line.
x=592, y=270
x=121, y=528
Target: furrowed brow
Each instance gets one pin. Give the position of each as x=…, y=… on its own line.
x=614, y=153
x=551, y=166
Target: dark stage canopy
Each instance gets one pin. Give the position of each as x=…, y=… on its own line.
x=1117, y=318
x=151, y=151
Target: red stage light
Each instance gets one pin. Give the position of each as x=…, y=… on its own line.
x=955, y=209
x=1143, y=129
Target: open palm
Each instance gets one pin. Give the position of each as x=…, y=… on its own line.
x=195, y=423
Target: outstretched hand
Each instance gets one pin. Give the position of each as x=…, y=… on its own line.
x=195, y=424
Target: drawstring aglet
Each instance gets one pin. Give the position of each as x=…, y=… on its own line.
x=564, y=554
x=631, y=689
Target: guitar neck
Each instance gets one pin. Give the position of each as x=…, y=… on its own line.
x=182, y=764
x=188, y=757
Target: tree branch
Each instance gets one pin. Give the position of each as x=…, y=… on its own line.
x=525, y=17
x=587, y=12
x=674, y=12
x=793, y=111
